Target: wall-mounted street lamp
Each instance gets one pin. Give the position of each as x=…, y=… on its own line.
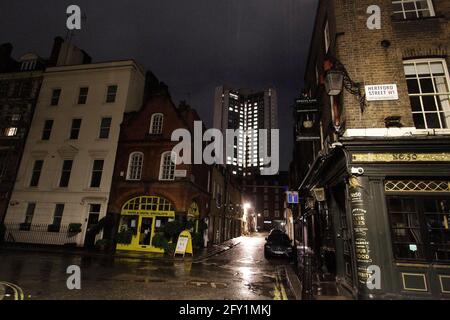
x=337, y=79
x=334, y=82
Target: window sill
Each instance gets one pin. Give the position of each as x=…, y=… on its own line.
x=154, y=135
x=434, y=18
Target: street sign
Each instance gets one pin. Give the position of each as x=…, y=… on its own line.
x=292, y=197
x=382, y=92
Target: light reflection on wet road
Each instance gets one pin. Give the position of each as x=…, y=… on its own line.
x=240, y=273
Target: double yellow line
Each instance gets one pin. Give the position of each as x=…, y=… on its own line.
x=279, y=291
x=18, y=293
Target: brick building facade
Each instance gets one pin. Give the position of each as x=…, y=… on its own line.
x=266, y=195
x=375, y=182
x=20, y=83
x=148, y=189
x=225, y=218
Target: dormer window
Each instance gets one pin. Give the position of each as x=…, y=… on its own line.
x=28, y=61
x=28, y=65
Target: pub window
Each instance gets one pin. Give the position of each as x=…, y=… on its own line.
x=429, y=92
x=412, y=9
x=420, y=227
x=406, y=230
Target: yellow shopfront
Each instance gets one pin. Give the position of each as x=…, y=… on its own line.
x=141, y=218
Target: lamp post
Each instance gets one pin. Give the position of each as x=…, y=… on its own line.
x=246, y=207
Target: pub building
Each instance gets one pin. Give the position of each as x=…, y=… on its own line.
x=374, y=178
x=149, y=189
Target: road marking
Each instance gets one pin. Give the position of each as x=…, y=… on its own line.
x=279, y=291
x=215, y=285
x=18, y=293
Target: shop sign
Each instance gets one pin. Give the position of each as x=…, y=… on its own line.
x=401, y=157
x=382, y=92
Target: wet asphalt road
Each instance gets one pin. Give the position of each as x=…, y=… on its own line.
x=240, y=273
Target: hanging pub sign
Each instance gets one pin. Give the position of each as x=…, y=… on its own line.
x=307, y=119
x=381, y=92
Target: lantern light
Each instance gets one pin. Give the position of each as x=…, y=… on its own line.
x=334, y=82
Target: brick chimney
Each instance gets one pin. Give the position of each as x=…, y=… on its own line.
x=6, y=62
x=57, y=43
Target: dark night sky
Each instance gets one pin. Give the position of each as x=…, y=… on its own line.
x=192, y=45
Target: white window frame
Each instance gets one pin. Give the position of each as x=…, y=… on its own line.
x=156, y=123
x=416, y=9
x=429, y=61
x=162, y=166
x=135, y=165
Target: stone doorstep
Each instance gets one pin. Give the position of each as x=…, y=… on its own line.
x=296, y=287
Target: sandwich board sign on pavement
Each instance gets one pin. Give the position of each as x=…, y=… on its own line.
x=184, y=243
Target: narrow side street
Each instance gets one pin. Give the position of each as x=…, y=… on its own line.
x=240, y=273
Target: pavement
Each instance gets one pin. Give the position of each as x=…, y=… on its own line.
x=235, y=270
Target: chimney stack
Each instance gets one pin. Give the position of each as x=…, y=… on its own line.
x=57, y=43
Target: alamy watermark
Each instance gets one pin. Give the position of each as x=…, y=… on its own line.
x=233, y=143
x=74, y=280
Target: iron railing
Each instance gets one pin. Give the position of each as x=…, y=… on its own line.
x=40, y=234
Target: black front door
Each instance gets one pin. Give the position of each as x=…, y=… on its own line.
x=146, y=231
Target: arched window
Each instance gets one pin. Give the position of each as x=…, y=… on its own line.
x=135, y=163
x=167, y=167
x=156, y=123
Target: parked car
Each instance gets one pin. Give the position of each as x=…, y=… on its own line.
x=278, y=244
